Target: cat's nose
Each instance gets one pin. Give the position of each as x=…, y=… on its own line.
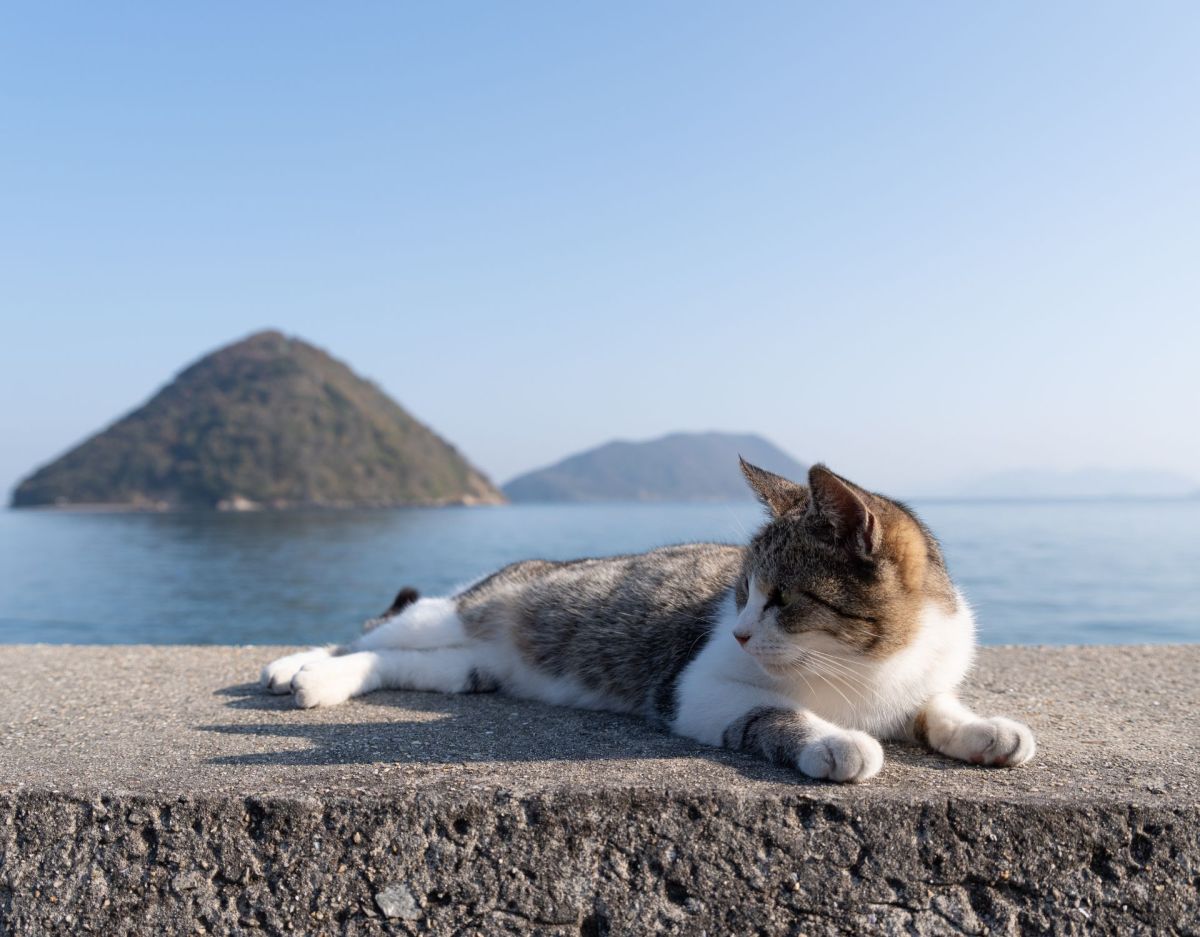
x=741, y=638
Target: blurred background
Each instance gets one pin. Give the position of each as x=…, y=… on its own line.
x=948, y=250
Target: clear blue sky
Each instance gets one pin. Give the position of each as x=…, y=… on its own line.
x=918, y=241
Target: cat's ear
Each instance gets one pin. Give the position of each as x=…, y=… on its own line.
x=840, y=512
x=775, y=491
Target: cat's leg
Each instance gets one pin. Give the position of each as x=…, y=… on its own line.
x=427, y=623
x=276, y=676
x=445, y=670
x=800, y=739
x=947, y=726
x=741, y=716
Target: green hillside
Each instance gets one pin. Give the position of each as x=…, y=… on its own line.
x=269, y=421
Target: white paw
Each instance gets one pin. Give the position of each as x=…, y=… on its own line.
x=323, y=683
x=843, y=756
x=996, y=742
x=277, y=676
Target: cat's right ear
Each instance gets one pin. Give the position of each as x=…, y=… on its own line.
x=840, y=513
x=775, y=491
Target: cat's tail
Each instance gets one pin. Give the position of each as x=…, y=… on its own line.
x=404, y=598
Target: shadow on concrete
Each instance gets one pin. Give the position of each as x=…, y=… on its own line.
x=240, y=690
x=253, y=696
x=438, y=729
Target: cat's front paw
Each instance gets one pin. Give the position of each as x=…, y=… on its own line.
x=276, y=677
x=996, y=742
x=847, y=756
x=322, y=683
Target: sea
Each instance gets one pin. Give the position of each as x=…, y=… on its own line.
x=1037, y=572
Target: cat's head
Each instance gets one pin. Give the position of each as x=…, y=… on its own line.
x=836, y=570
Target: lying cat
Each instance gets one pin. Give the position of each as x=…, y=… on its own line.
x=836, y=626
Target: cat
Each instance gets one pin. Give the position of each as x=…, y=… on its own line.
x=836, y=626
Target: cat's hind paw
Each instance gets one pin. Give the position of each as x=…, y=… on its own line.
x=848, y=756
x=995, y=742
x=276, y=677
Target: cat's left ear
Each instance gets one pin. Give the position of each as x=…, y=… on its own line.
x=775, y=491
x=841, y=512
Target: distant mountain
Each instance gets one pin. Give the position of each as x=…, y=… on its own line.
x=1082, y=483
x=679, y=467
x=269, y=421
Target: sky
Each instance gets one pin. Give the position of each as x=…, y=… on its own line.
x=919, y=242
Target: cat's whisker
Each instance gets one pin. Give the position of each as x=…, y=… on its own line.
x=849, y=676
x=843, y=659
x=800, y=666
x=833, y=686
x=845, y=668
x=804, y=677
x=846, y=680
x=737, y=522
x=701, y=637
x=859, y=688
x=861, y=680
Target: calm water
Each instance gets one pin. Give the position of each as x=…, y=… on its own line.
x=1036, y=572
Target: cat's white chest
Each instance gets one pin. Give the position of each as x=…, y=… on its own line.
x=878, y=697
x=873, y=697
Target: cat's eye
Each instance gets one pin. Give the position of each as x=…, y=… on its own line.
x=779, y=598
x=788, y=597
x=794, y=597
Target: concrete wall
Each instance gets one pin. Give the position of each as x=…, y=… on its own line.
x=154, y=790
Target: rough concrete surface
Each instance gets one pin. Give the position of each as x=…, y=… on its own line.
x=155, y=790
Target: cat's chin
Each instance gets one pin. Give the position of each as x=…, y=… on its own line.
x=776, y=667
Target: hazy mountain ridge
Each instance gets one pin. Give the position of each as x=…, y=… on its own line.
x=1079, y=483
x=677, y=467
x=267, y=421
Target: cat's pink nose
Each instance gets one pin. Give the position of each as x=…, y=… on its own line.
x=741, y=638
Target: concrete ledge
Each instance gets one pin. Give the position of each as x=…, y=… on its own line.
x=154, y=790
